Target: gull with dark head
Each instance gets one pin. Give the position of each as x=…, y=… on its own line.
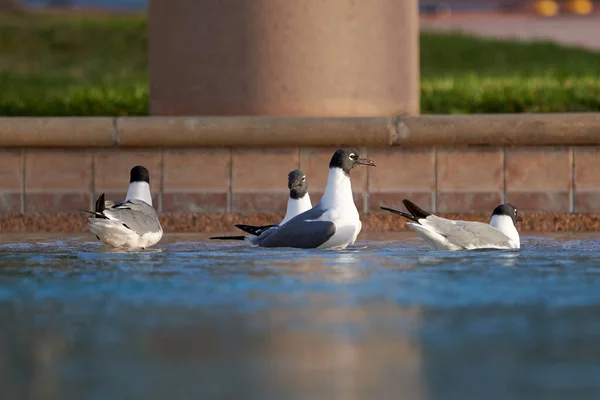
x=447, y=234
x=131, y=224
x=333, y=223
x=298, y=202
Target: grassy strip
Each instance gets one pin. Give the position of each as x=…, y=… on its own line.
x=73, y=64
x=464, y=74
x=82, y=64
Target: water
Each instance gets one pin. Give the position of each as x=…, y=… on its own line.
x=142, y=5
x=134, y=5
x=389, y=319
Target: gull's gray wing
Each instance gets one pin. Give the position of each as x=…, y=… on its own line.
x=136, y=215
x=304, y=231
x=466, y=234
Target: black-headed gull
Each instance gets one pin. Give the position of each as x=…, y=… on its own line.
x=447, y=234
x=131, y=224
x=298, y=202
x=334, y=223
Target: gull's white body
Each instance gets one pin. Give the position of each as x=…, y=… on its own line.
x=113, y=233
x=441, y=233
x=295, y=207
x=338, y=201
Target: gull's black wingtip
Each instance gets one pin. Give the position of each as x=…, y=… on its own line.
x=254, y=230
x=95, y=214
x=416, y=211
x=401, y=213
x=228, y=238
x=99, y=207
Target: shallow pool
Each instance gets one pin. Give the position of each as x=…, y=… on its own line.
x=389, y=318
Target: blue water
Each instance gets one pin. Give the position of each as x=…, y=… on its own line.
x=387, y=319
x=424, y=6
x=98, y=4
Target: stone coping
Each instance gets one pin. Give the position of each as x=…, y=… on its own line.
x=220, y=223
x=406, y=131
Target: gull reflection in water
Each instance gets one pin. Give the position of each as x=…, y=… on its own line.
x=508, y=258
x=346, y=267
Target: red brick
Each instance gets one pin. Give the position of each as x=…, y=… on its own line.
x=275, y=202
x=538, y=170
x=187, y=169
x=10, y=202
x=402, y=170
x=49, y=202
x=540, y=201
x=468, y=201
x=11, y=170
x=587, y=165
x=587, y=202
x=394, y=200
x=470, y=170
x=68, y=170
x=265, y=169
x=205, y=202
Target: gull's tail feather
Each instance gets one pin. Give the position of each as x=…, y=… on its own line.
x=99, y=209
x=228, y=237
x=402, y=213
x=416, y=211
x=254, y=230
x=100, y=204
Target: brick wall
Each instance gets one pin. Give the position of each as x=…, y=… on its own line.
x=220, y=180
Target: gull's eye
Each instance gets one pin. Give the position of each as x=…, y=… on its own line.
x=515, y=212
x=353, y=156
x=303, y=178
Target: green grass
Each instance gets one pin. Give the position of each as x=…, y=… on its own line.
x=73, y=64
x=463, y=74
x=82, y=64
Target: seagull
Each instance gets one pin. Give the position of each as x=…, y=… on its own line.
x=446, y=234
x=334, y=222
x=132, y=224
x=298, y=202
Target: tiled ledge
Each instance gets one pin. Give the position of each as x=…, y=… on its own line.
x=425, y=130
x=207, y=180
x=545, y=162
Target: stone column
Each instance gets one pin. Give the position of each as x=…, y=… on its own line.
x=284, y=57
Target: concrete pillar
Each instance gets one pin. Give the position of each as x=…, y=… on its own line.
x=284, y=57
